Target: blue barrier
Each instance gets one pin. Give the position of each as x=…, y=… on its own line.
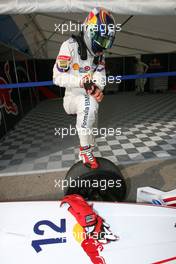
x=147, y=75
x=25, y=84
x=125, y=77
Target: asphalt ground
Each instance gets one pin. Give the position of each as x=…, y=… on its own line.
x=43, y=186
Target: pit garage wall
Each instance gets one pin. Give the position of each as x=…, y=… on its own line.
x=16, y=103
x=16, y=67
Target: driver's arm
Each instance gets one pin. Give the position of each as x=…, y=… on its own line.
x=61, y=71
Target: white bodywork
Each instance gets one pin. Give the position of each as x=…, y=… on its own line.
x=157, y=197
x=147, y=234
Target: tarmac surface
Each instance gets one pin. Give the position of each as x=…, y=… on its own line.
x=43, y=186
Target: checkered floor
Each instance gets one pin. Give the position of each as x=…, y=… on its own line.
x=148, y=125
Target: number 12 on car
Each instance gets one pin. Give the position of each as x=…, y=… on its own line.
x=61, y=228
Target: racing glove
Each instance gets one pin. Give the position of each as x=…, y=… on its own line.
x=93, y=224
x=89, y=85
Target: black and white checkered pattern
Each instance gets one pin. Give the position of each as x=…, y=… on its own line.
x=148, y=125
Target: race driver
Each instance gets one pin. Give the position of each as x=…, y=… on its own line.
x=80, y=68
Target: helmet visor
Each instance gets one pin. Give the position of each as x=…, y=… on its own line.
x=104, y=41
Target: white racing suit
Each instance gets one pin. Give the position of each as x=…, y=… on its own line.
x=68, y=71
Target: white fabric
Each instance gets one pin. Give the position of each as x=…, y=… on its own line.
x=157, y=7
x=71, y=79
x=76, y=100
x=86, y=109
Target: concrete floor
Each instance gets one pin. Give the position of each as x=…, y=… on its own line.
x=38, y=187
x=147, y=125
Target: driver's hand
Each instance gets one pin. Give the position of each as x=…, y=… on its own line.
x=98, y=95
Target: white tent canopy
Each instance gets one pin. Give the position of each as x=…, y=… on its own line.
x=139, y=34
x=132, y=7
x=148, y=26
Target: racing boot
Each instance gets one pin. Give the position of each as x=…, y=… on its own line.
x=86, y=155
